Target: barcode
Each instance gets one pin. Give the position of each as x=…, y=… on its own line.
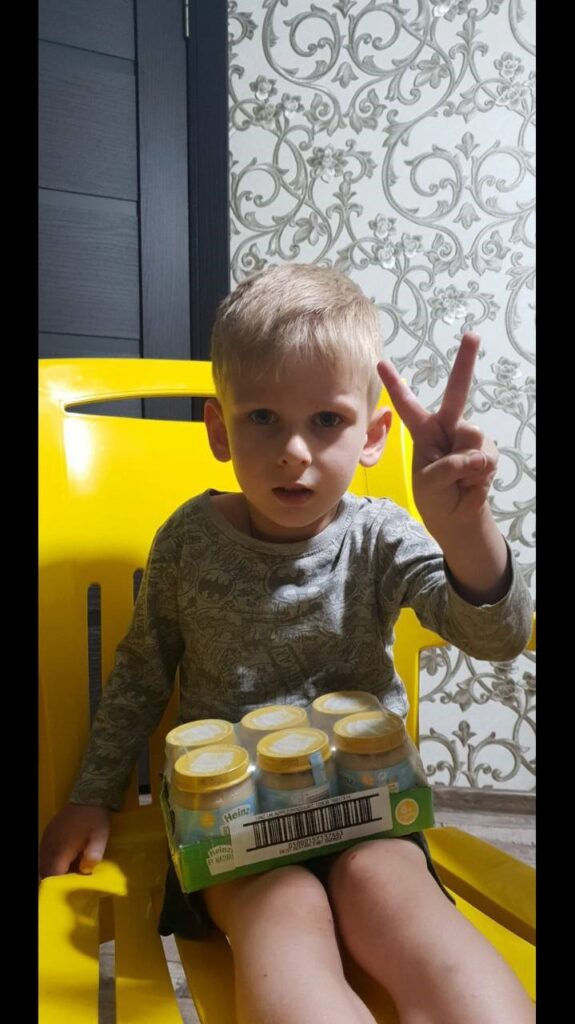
x=297, y=830
x=313, y=821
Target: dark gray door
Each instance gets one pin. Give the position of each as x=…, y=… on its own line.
x=133, y=223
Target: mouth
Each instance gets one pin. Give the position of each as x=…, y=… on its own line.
x=292, y=493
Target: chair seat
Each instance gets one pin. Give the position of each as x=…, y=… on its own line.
x=132, y=877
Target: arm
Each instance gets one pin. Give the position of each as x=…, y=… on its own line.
x=131, y=707
x=453, y=467
x=412, y=573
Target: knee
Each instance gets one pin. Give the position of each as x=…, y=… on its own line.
x=393, y=869
x=290, y=897
x=291, y=892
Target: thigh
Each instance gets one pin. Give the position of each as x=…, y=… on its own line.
x=187, y=914
x=321, y=866
x=296, y=890
x=287, y=960
x=420, y=841
x=382, y=875
x=291, y=896
x=396, y=923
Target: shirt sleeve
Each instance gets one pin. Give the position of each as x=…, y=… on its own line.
x=414, y=575
x=141, y=681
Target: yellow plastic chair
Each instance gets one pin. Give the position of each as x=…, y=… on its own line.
x=106, y=484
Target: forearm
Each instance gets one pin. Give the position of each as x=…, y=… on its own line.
x=130, y=709
x=116, y=742
x=477, y=558
x=107, y=766
x=412, y=573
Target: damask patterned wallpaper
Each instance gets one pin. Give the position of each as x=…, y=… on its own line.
x=395, y=141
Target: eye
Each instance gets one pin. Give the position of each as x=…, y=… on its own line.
x=262, y=417
x=328, y=419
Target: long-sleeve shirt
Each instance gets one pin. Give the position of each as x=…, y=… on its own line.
x=250, y=622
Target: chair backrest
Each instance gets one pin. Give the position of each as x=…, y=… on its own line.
x=106, y=484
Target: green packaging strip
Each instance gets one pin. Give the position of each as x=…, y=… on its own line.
x=290, y=836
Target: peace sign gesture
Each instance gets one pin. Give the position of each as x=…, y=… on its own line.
x=453, y=462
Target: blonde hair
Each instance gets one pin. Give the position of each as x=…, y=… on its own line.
x=296, y=310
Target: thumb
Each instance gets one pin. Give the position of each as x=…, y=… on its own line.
x=93, y=851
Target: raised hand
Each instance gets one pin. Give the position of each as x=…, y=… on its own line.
x=453, y=462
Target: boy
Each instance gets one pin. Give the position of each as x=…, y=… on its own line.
x=290, y=589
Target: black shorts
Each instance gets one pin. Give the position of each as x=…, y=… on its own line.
x=186, y=914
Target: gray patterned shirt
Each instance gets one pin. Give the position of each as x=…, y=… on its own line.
x=250, y=622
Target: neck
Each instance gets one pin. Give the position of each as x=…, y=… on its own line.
x=294, y=536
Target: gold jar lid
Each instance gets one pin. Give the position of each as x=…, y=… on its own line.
x=200, y=733
x=275, y=716
x=289, y=750
x=369, y=732
x=345, y=702
x=209, y=768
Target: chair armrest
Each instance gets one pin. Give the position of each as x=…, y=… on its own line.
x=69, y=940
x=498, y=884
x=68, y=943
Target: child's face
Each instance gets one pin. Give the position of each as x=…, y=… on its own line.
x=295, y=445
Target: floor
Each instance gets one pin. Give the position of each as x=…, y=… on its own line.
x=514, y=833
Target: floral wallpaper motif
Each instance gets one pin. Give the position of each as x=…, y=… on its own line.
x=395, y=142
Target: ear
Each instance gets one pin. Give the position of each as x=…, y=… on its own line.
x=216, y=428
x=376, y=436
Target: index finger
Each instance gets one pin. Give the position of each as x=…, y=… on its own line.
x=459, y=383
x=408, y=408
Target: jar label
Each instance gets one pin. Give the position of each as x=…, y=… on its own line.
x=276, y=799
x=398, y=777
x=191, y=826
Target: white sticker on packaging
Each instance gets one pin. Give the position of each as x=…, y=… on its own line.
x=210, y=762
x=287, y=746
x=278, y=833
x=366, y=727
x=273, y=719
x=347, y=704
x=195, y=733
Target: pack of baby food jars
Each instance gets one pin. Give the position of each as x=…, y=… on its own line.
x=288, y=783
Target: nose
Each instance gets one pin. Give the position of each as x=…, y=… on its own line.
x=295, y=451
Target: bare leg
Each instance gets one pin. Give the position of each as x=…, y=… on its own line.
x=286, y=960
x=398, y=925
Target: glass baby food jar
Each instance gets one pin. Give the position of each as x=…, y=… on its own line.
x=328, y=709
x=295, y=767
x=211, y=788
x=373, y=749
x=200, y=733
x=259, y=723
